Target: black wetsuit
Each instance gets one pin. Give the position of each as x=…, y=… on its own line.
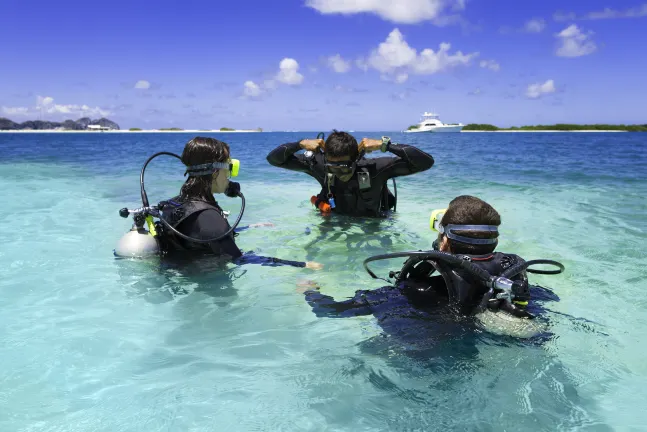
x=407, y=313
x=350, y=199
x=204, y=220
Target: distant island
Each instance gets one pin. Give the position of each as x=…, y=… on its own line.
x=557, y=127
x=84, y=123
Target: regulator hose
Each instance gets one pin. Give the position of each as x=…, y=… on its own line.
x=179, y=234
x=515, y=270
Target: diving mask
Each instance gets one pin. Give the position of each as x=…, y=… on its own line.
x=233, y=165
x=436, y=225
x=341, y=167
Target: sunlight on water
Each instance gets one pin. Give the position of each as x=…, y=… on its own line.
x=90, y=342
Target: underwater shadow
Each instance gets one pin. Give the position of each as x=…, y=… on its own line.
x=163, y=280
x=357, y=234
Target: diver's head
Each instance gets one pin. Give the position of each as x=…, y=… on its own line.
x=468, y=210
x=205, y=180
x=341, y=154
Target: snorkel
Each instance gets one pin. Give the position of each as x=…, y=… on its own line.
x=139, y=242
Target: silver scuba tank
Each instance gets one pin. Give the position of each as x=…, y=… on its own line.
x=137, y=243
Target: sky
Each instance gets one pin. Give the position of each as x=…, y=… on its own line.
x=315, y=65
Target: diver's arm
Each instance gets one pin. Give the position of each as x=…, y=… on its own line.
x=325, y=306
x=409, y=160
x=250, y=258
x=284, y=157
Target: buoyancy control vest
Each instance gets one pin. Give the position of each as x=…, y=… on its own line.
x=463, y=289
x=175, y=212
x=360, y=195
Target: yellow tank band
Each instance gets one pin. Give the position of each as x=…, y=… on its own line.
x=151, y=225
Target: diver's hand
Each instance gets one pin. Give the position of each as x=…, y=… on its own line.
x=314, y=265
x=368, y=145
x=312, y=144
x=306, y=285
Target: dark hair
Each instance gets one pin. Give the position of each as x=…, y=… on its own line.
x=201, y=150
x=469, y=210
x=340, y=144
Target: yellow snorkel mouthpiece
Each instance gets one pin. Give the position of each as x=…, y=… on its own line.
x=436, y=217
x=234, y=167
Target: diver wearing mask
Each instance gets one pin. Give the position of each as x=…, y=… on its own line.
x=189, y=220
x=471, y=277
x=351, y=184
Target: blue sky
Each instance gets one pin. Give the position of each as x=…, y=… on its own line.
x=323, y=64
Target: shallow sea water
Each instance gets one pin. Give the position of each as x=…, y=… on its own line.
x=89, y=342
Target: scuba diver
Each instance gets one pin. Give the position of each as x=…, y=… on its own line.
x=193, y=223
x=351, y=184
x=471, y=277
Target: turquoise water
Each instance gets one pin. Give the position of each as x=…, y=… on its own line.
x=93, y=343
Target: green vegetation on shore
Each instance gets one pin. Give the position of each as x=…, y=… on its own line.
x=134, y=129
x=412, y=127
x=171, y=129
x=558, y=127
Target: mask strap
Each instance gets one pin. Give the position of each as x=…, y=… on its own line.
x=448, y=231
x=205, y=169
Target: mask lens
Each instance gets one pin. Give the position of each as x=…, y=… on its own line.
x=234, y=167
x=340, y=168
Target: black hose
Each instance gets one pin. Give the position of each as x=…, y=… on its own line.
x=515, y=270
x=233, y=227
x=442, y=256
x=145, y=204
x=395, y=194
x=141, y=175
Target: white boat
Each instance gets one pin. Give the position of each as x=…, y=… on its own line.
x=431, y=123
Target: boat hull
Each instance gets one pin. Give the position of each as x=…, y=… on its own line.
x=438, y=129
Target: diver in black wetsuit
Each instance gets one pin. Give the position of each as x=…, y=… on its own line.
x=196, y=214
x=466, y=284
x=351, y=184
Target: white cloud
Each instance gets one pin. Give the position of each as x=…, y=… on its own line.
x=574, y=43
x=362, y=64
x=476, y=92
x=46, y=105
x=562, y=16
x=338, y=64
x=490, y=64
x=606, y=13
x=12, y=111
x=401, y=77
x=535, y=25
x=288, y=72
x=399, y=11
x=251, y=89
x=535, y=91
x=142, y=85
x=395, y=57
x=44, y=101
